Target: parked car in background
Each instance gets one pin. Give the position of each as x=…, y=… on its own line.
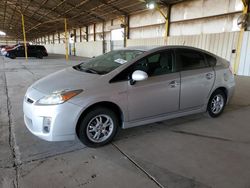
x=5, y=48
x=37, y=51
x=126, y=88
x=2, y=48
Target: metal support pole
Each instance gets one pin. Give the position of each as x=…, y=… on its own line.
x=58, y=37
x=94, y=32
x=126, y=30
x=24, y=38
x=53, y=38
x=166, y=17
x=240, y=40
x=103, y=38
x=66, y=41
x=87, y=33
x=80, y=34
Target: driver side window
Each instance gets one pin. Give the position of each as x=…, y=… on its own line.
x=157, y=64
x=154, y=65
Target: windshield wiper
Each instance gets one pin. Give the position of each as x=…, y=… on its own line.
x=88, y=70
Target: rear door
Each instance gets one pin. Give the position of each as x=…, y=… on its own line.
x=197, y=78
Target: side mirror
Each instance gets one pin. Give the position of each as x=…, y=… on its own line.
x=138, y=75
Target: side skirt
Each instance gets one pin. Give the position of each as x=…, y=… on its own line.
x=162, y=118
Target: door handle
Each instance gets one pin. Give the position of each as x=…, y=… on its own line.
x=209, y=76
x=173, y=84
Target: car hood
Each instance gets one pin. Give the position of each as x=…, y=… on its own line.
x=66, y=79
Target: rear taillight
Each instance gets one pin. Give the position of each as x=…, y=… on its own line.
x=230, y=69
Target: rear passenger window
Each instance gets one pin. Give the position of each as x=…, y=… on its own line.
x=211, y=60
x=191, y=59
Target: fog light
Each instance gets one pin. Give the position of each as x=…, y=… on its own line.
x=46, y=124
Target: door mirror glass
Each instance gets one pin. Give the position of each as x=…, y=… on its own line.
x=139, y=75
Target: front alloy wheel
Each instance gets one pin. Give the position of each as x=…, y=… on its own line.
x=98, y=127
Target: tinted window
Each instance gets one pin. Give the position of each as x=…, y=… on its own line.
x=190, y=59
x=211, y=60
x=154, y=65
x=40, y=47
x=166, y=64
x=20, y=48
x=31, y=48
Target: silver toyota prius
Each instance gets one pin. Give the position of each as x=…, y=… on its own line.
x=126, y=88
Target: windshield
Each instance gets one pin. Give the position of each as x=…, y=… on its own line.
x=105, y=63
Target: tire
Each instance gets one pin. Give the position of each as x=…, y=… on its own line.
x=12, y=56
x=216, y=103
x=90, y=128
x=39, y=56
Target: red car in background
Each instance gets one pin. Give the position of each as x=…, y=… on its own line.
x=5, y=48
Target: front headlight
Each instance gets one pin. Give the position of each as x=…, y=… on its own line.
x=58, y=97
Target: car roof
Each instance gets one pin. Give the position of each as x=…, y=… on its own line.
x=163, y=47
x=141, y=48
x=158, y=47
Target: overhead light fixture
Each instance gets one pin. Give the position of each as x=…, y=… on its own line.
x=2, y=33
x=151, y=5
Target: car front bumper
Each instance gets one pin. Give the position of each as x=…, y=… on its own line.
x=51, y=122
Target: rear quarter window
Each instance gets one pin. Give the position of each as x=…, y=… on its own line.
x=40, y=47
x=211, y=60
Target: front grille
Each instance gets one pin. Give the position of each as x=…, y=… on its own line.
x=29, y=100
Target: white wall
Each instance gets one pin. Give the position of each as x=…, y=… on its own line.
x=84, y=49
x=147, y=25
x=205, y=16
x=146, y=42
x=55, y=48
x=7, y=41
x=89, y=49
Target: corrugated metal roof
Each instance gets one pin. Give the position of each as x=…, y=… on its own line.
x=39, y=14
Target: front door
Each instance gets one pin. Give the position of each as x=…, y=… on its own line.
x=159, y=94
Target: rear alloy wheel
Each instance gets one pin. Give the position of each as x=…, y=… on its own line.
x=216, y=103
x=98, y=127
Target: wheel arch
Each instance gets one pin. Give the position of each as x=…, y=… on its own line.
x=106, y=104
x=221, y=88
